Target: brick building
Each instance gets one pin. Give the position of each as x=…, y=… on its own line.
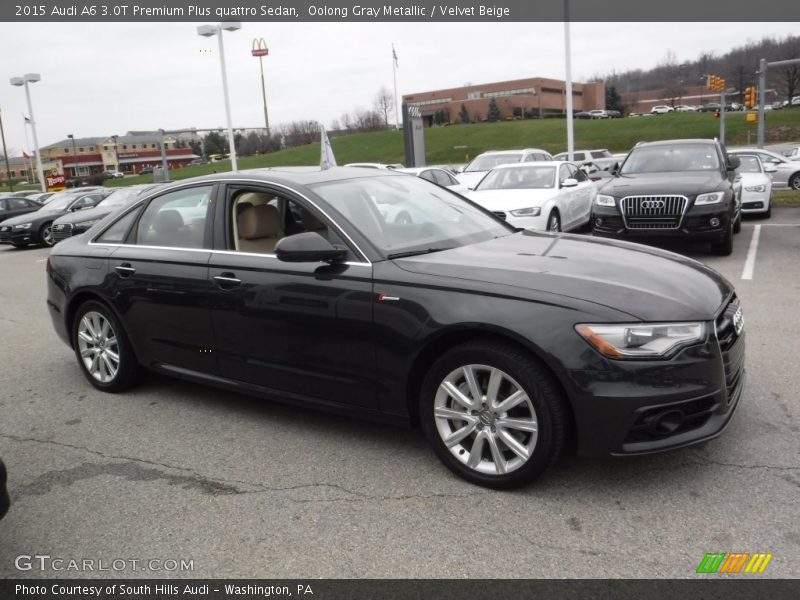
x=520, y=98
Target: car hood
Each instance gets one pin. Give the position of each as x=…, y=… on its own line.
x=644, y=282
x=33, y=216
x=685, y=183
x=511, y=199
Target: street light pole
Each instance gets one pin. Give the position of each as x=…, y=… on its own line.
x=23, y=81
x=209, y=31
x=5, y=154
x=260, y=50
x=568, y=56
x=74, y=156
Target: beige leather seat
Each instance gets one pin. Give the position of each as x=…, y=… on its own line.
x=259, y=229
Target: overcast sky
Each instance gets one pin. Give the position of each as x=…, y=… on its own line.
x=102, y=79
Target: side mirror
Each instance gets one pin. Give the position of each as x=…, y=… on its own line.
x=615, y=169
x=308, y=247
x=770, y=168
x=733, y=163
x=569, y=182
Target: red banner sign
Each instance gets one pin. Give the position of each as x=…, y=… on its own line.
x=55, y=182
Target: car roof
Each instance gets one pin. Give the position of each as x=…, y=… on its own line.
x=697, y=141
x=532, y=163
x=513, y=151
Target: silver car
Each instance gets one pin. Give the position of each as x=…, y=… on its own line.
x=788, y=171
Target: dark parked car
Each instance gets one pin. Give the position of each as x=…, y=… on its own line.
x=5, y=501
x=680, y=189
x=36, y=227
x=75, y=223
x=710, y=107
x=12, y=206
x=500, y=343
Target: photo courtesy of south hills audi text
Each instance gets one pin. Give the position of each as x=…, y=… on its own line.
x=75, y=591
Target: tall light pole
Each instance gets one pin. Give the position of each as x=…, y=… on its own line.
x=74, y=157
x=23, y=82
x=210, y=31
x=5, y=154
x=568, y=53
x=260, y=50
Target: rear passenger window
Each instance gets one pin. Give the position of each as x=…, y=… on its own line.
x=117, y=233
x=176, y=220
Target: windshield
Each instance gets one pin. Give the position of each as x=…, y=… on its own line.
x=399, y=213
x=749, y=164
x=121, y=197
x=59, y=201
x=490, y=161
x=665, y=159
x=519, y=178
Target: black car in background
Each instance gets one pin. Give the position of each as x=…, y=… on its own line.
x=75, y=223
x=36, y=227
x=5, y=501
x=678, y=189
x=12, y=206
x=501, y=343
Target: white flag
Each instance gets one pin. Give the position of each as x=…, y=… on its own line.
x=326, y=158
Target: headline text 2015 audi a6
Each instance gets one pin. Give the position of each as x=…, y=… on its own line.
x=500, y=343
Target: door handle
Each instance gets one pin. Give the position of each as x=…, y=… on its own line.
x=226, y=281
x=125, y=270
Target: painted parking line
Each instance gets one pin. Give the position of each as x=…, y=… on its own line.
x=750, y=262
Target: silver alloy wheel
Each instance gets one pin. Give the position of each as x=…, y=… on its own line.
x=794, y=183
x=485, y=419
x=555, y=223
x=97, y=343
x=47, y=235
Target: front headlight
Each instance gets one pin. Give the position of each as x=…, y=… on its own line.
x=86, y=224
x=647, y=340
x=533, y=211
x=603, y=200
x=756, y=188
x=23, y=226
x=712, y=198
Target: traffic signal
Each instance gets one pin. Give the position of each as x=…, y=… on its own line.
x=716, y=114
x=750, y=100
x=715, y=84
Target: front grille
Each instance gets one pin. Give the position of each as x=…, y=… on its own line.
x=731, y=344
x=5, y=233
x=61, y=231
x=653, y=212
x=499, y=214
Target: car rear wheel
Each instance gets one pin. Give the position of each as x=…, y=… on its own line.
x=102, y=348
x=493, y=415
x=46, y=235
x=794, y=181
x=554, y=221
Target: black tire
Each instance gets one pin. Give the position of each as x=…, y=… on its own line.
x=554, y=221
x=794, y=181
x=724, y=247
x=767, y=214
x=46, y=235
x=128, y=370
x=544, y=406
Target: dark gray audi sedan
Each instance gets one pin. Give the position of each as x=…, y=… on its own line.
x=296, y=285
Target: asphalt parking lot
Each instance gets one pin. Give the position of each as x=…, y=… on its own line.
x=246, y=488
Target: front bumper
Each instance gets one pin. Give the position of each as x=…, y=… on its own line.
x=755, y=202
x=18, y=237
x=695, y=225
x=643, y=407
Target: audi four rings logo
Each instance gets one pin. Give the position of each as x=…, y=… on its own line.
x=738, y=321
x=653, y=204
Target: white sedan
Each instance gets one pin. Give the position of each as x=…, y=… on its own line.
x=552, y=195
x=756, y=185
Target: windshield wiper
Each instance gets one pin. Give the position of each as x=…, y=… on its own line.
x=415, y=252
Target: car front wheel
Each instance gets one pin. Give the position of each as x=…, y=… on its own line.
x=102, y=348
x=493, y=415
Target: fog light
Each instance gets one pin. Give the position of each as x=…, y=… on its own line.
x=598, y=221
x=714, y=222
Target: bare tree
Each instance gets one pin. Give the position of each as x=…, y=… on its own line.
x=384, y=104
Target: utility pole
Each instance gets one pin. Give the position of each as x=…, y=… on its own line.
x=5, y=153
x=763, y=65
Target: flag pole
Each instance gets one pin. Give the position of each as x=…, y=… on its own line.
x=5, y=153
x=394, y=75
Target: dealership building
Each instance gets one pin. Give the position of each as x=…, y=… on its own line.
x=516, y=99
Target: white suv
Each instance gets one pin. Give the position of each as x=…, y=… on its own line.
x=661, y=109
